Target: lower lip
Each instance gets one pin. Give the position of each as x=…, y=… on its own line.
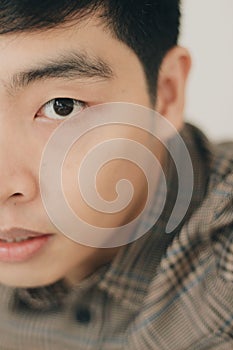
x=21, y=251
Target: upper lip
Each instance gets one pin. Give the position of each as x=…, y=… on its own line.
x=19, y=233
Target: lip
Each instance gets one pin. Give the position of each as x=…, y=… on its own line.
x=24, y=250
x=16, y=232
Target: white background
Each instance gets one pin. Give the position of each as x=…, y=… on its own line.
x=207, y=31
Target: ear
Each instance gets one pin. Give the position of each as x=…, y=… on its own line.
x=172, y=80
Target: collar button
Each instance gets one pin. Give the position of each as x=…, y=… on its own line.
x=83, y=315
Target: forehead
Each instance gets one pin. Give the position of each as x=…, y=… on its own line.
x=31, y=47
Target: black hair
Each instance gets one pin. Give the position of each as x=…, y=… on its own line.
x=149, y=27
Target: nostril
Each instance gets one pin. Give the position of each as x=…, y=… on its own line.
x=16, y=195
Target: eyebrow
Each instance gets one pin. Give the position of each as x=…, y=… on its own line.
x=70, y=66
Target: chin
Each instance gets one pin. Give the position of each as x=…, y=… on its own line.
x=26, y=282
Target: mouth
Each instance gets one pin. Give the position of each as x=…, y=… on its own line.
x=18, y=245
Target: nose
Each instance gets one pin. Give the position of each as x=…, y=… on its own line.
x=17, y=186
x=17, y=181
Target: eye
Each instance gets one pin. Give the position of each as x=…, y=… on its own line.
x=60, y=108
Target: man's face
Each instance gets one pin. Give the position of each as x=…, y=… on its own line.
x=35, y=69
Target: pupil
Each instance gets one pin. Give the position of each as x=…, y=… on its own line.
x=63, y=106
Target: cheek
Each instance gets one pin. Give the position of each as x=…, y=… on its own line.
x=105, y=201
x=112, y=193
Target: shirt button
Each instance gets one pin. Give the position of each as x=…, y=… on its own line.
x=83, y=315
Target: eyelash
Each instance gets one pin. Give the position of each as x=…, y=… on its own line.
x=56, y=102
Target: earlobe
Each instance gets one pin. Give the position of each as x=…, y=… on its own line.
x=171, y=85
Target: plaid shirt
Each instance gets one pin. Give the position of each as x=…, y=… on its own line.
x=162, y=292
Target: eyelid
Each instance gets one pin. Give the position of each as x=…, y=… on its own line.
x=57, y=98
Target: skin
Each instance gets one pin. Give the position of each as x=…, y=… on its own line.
x=22, y=113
